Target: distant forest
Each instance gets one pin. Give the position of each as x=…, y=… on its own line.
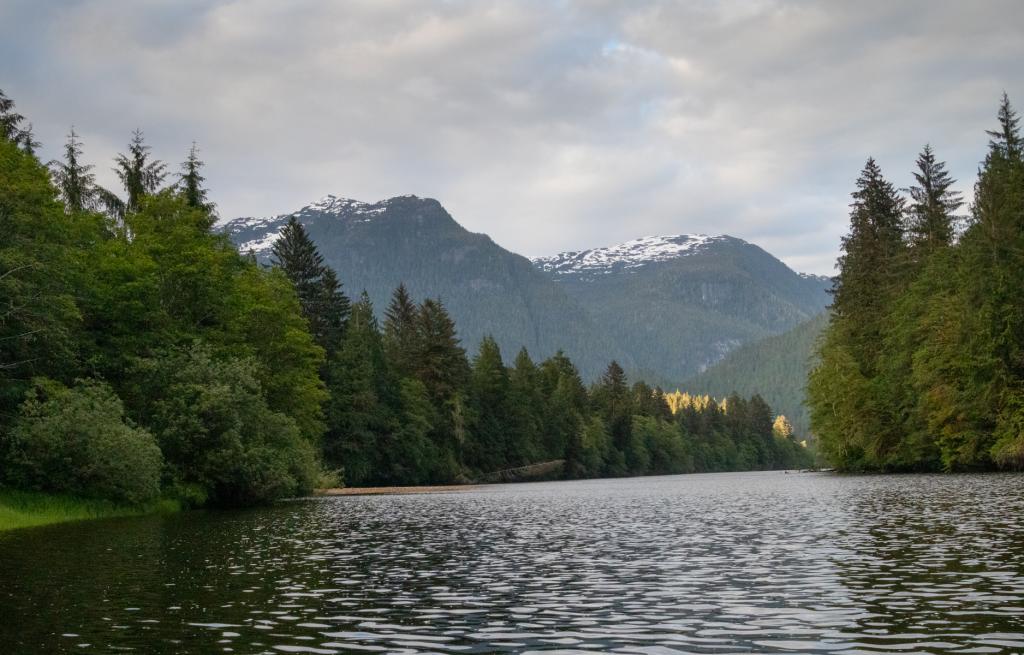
x=141, y=356
x=922, y=364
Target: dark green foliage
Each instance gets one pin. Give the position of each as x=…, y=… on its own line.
x=74, y=179
x=224, y=382
x=922, y=366
x=400, y=331
x=932, y=217
x=77, y=441
x=221, y=440
x=490, y=443
x=323, y=303
x=38, y=267
x=10, y=120
x=775, y=367
x=361, y=410
x=140, y=176
x=27, y=140
x=208, y=352
x=190, y=183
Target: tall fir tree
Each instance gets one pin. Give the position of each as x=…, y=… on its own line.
x=190, y=183
x=74, y=179
x=28, y=142
x=488, y=449
x=140, y=176
x=359, y=412
x=440, y=362
x=932, y=212
x=400, y=331
x=323, y=303
x=10, y=120
x=872, y=265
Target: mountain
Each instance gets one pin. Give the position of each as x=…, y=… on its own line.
x=487, y=289
x=678, y=304
x=775, y=367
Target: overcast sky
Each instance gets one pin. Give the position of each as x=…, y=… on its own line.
x=550, y=125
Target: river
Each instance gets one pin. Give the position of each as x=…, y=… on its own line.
x=715, y=563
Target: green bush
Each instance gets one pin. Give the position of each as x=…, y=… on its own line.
x=77, y=441
x=220, y=439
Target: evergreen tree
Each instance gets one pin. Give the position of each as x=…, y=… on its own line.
x=360, y=412
x=334, y=307
x=441, y=362
x=10, y=120
x=932, y=211
x=74, y=179
x=400, y=331
x=140, y=176
x=526, y=404
x=27, y=140
x=612, y=402
x=323, y=303
x=489, y=445
x=190, y=182
x=872, y=265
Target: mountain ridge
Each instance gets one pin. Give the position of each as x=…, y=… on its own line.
x=664, y=306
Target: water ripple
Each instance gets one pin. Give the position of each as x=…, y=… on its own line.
x=727, y=563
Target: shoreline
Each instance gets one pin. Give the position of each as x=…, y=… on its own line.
x=396, y=491
x=21, y=509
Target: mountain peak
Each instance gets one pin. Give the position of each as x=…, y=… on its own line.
x=627, y=255
x=258, y=234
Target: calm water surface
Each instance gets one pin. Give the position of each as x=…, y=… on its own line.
x=746, y=562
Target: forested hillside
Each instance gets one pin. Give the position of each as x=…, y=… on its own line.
x=922, y=365
x=488, y=290
x=776, y=367
x=679, y=304
x=143, y=357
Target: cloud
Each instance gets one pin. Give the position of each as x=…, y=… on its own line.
x=549, y=125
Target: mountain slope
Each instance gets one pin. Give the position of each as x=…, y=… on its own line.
x=678, y=304
x=775, y=367
x=487, y=289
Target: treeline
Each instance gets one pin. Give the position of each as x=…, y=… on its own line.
x=922, y=365
x=141, y=356
x=407, y=406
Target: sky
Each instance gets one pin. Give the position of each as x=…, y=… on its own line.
x=550, y=125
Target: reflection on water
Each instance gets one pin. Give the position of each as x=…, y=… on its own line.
x=758, y=562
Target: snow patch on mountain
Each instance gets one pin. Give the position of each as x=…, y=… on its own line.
x=628, y=255
x=258, y=233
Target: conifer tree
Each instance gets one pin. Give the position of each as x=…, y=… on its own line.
x=27, y=140
x=10, y=120
x=323, y=303
x=526, y=404
x=140, y=176
x=74, y=179
x=190, y=182
x=400, y=331
x=611, y=399
x=872, y=265
x=359, y=414
x=335, y=308
x=933, y=207
x=489, y=388
x=440, y=359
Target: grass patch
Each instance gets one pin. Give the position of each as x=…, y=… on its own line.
x=24, y=509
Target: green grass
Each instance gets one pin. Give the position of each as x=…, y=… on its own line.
x=24, y=509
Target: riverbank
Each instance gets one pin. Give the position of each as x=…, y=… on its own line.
x=26, y=509
x=389, y=491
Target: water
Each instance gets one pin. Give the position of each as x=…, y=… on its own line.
x=745, y=562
